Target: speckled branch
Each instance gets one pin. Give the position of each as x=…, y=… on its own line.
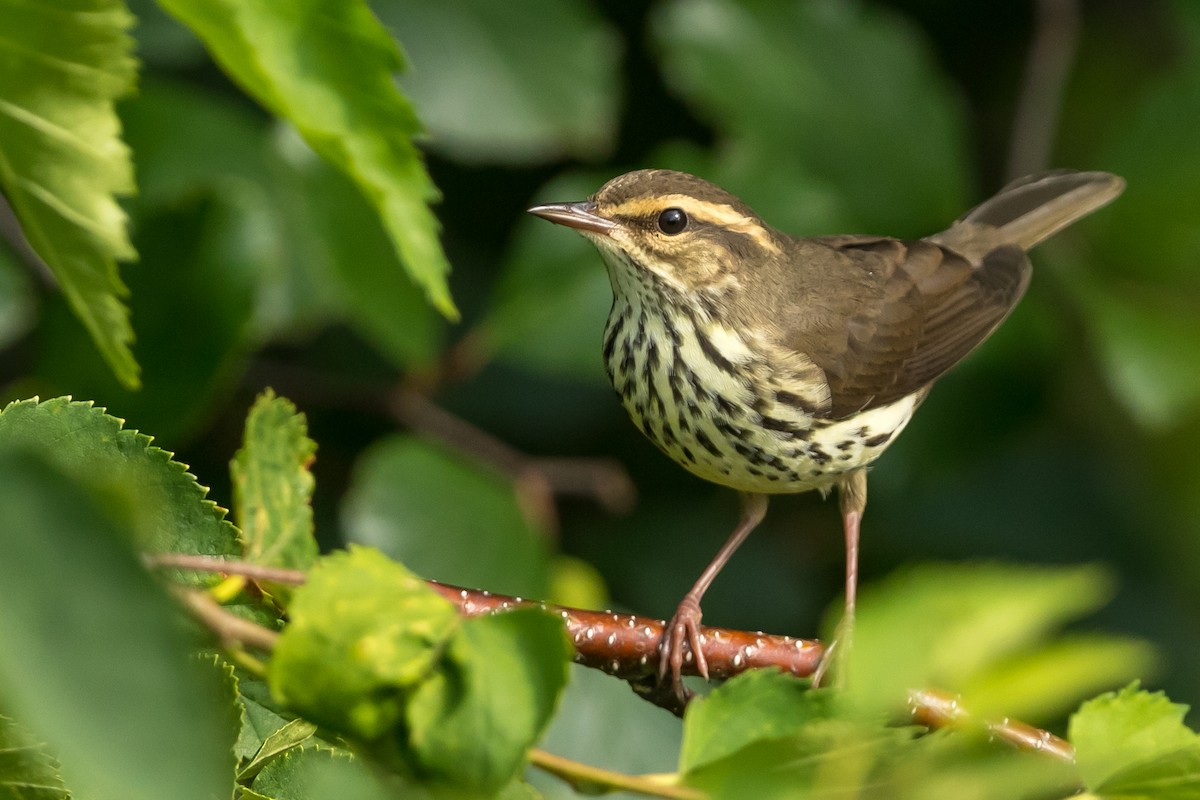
x=626, y=646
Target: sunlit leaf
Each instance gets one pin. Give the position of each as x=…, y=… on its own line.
x=327, y=66
x=364, y=632
x=273, y=485
x=1133, y=743
x=944, y=626
x=754, y=706
x=62, y=161
x=1045, y=683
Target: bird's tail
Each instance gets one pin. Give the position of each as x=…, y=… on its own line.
x=1031, y=209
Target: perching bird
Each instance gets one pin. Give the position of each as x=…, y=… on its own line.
x=773, y=364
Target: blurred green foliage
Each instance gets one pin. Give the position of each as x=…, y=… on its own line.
x=283, y=238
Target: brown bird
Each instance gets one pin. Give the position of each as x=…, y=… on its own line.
x=773, y=364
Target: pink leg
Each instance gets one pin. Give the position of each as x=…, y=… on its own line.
x=684, y=627
x=852, y=496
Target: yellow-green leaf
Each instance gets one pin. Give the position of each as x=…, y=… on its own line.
x=272, y=485
x=62, y=161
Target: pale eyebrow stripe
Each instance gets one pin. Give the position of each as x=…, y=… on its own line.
x=721, y=214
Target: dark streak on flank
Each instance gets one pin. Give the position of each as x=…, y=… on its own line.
x=773, y=424
x=793, y=400
x=713, y=354
x=878, y=440
x=707, y=443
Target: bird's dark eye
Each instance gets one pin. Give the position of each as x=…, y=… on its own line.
x=672, y=221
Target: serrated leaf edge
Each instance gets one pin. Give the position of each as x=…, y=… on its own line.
x=144, y=440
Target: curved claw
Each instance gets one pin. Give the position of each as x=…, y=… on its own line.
x=680, y=634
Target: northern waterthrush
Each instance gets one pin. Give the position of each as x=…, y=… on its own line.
x=774, y=364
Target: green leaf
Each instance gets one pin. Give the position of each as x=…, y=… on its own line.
x=336, y=243
x=130, y=713
x=93, y=448
x=1049, y=681
x=188, y=139
x=228, y=704
x=754, y=706
x=1134, y=743
x=472, y=721
x=327, y=66
x=378, y=657
x=27, y=770
x=519, y=790
x=272, y=485
x=62, y=160
x=193, y=301
x=259, y=718
x=445, y=518
x=482, y=85
x=945, y=626
x=1129, y=327
x=322, y=773
x=1151, y=233
x=364, y=632
x=292, y=734
x=823, y=758
x=836, y=757
x=826, y=95
x=592, y=706
x=163, y=42
x=17, y=303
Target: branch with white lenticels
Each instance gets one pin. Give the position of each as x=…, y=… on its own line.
x=626, y=646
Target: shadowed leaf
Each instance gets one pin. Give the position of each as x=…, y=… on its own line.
x=129, y=694
x=520, y=81
x=93, y=447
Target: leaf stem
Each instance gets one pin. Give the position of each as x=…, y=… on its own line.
x=587, y=778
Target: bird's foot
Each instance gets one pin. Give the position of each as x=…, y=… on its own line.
x=826, y=666
x=833, y=662
x=681, y=636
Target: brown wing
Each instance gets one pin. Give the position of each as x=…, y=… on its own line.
x=922, y=308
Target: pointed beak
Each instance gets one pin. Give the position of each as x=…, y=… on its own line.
x=581, y=216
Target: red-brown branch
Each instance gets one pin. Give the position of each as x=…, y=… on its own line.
x=626, y=646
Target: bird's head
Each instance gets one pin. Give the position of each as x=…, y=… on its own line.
x=680, y=229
